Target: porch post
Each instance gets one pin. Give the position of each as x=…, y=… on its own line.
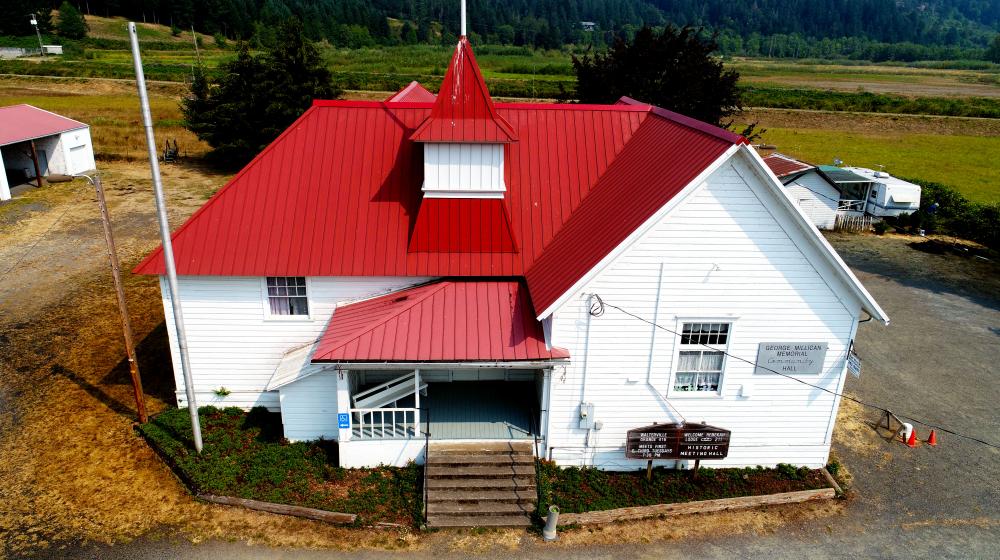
x=4, y=187
x=416, y=401
x=344, y=403
x=543, y=421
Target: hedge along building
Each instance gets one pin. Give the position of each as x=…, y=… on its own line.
x=385, y=270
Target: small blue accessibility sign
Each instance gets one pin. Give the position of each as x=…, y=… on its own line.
x=343, y=420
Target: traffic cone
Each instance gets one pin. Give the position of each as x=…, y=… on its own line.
x=932, y=441
x=912, y=442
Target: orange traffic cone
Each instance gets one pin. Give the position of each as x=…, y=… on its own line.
x=932, y=441
x=912, y=442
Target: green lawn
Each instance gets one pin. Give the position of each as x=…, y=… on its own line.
x=968, y=163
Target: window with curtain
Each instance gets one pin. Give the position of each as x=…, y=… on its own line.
x=702, y=357
x=286, y=295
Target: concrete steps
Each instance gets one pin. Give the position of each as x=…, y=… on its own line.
x=480, y=485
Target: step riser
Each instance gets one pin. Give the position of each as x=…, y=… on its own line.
x=484, y=460
x=461, y=496
x=438, y=521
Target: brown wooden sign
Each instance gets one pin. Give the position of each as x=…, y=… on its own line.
x=670, y=441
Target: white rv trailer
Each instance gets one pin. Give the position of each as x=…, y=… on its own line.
x=888, y=196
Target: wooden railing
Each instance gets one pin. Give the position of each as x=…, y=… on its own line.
x=853, y=223
x=385, y=423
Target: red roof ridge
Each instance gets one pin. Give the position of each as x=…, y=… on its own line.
x=413, y=92
x=689, y=122
x=464, y=97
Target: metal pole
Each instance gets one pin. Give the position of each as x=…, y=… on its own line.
x=168, y=248
x=34, y=21
x=463, y=18
x=133, y=364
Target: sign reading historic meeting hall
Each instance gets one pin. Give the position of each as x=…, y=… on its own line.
x=791, y=358
x=670, y=441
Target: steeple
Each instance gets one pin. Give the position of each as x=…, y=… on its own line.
x=464, y=111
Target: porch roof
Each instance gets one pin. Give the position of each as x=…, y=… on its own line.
x=451, y=320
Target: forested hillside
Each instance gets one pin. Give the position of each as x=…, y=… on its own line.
x=781, y=28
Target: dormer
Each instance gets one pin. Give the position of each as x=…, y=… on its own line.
x=463, y=138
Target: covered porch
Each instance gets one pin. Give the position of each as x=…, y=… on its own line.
x=451, y=406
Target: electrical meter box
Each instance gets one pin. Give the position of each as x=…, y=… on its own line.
x=586, y=416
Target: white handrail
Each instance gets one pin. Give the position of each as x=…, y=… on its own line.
x=384, y=423
x=385, y=385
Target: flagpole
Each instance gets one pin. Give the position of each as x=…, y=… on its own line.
x=168, y=249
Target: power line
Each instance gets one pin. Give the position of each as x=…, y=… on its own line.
x=597, y=309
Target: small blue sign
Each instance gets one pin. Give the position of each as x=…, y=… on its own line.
x=343, y=420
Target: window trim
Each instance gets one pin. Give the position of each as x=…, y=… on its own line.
x=266, y=303
x=675, y=363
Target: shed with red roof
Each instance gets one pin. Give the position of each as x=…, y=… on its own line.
x=36, y=143
x=481, y=271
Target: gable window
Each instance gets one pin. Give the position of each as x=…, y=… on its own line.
x=701, y=357
x=286, y=295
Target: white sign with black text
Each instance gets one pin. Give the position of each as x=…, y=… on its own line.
x=790, y=358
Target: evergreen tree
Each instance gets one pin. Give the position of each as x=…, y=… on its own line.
x=256, y=97
x=674, y=69
x=993, y=53
x=408, y=35
x=71, y=22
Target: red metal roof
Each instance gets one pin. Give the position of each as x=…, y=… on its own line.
x=339, y=192
x=660, y=159
x=783, y=166
x=414, y=93
x=462, y=225
x=19, y=123
x=444, y=321
x=464, y=110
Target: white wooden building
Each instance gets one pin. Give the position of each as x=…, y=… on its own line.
x=479, y=271
x=815, y=194
x=33, y=138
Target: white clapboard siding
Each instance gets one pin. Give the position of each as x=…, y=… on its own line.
x=728, y=253
x=817, y=198
x=463, y=170
x=233, y=344
x=309, y=407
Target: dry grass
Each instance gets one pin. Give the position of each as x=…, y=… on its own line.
x=756, y=522
x=111, y=108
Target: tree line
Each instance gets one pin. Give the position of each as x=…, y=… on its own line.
x=780, y=28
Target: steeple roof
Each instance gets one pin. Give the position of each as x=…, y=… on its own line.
x=463, y=110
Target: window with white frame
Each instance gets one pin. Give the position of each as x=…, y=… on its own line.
x=286, y=295
x=701, y=357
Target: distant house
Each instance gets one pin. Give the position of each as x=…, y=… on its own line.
x=443, y=269
x=35, y=142
x=588, y=25
x=815, y=194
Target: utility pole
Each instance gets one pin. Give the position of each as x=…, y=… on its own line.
x=168, y=247
x=34, y=21
x=133, y=364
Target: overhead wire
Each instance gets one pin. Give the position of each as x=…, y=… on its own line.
x=597, y=308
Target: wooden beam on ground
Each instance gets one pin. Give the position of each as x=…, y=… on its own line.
x=703, y=506
x=282, y=509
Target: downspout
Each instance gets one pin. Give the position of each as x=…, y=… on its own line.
x=652, y=335
x=546, y=399
x=583, y=375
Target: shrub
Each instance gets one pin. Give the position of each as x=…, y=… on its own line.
x=880, y=228
x=944, y=210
